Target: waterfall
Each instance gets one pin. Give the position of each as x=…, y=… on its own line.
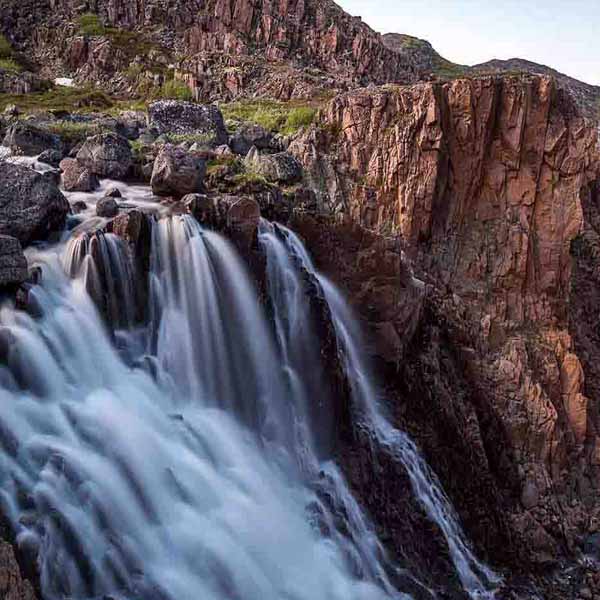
x=178, y=474
x=477, y=579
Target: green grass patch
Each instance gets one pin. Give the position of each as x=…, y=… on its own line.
x=60, y=98
x=9, y=64
x=224, y=163
x=6, y=50
x=190, y=138
x=90, y=24
x=298, y=118
x=73, y=132
x=248, y=178
x=132, y=43
x=277, y=117
x=174, y=89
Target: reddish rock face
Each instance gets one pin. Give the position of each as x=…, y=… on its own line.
x=222, y=48
x=485, y=184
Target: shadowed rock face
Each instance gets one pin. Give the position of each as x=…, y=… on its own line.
x=486, y=186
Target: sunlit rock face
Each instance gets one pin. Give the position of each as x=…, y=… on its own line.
x=486, y=186
x=224, y=48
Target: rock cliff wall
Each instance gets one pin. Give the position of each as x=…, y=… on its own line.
x=222, y=48
x=486, y=186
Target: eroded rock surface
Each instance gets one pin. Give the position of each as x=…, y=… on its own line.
x=106, y=155
x=31, y=205
x=485, y=185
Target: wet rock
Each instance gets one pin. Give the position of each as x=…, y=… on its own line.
x=25, y=138
x=51, y=157
x=12, y=584
x=239, y=216
x=591, y=546
x=113, y=192
x=106, y=155
x=204, y=209
x=76, y=177
x=281, y=167
x=107, y=207
x=53, y=176
x=78, y=206
x=31, y=206
x=249, y=135
x=177, y=173
x=185, y=118
x=243, y=216
x=13, y=264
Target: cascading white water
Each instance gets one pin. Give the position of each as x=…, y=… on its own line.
x=189, y=458
x=311, y=406
x=477, y=579
x=177, y=478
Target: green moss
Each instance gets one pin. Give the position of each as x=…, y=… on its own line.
x=9, y=64
x=277, y=117
x=59, y=98
x=6, y=50
x=90, y=24
x=228, y=163
x=73, y=132
x=298, y=118
x=248, y=178
x=175, y=90
x=190, y=138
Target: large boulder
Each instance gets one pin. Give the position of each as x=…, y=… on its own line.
x=185, y=118
x=177, y=172
x=281, y=167
x=25, y=138
x=76, y=177
x=31, y=206
x=107, y=207
x=106, y=155
x=239, y=216
x=248, y=135
x=13, y=264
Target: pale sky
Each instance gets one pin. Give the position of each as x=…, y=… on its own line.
x=564, y=35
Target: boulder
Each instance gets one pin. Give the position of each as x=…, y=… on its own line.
x=238, y=215
x=25, y=138
x=177, y=173
x=107, y=207
x=51, y=157
x=113, y=192
x=106, y=155
x=76, y=177
x=78, y=206
x=31, y=206
x=185, y=118
x=243, y=217
x=13, y=264
x=281, y=167
x=204, y=209
x=130, y=122
x=249, y=135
